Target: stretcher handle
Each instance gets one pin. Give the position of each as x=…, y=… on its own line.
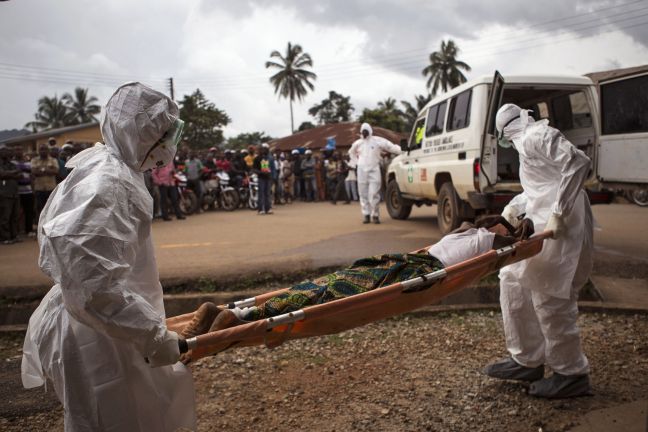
x=182, y=345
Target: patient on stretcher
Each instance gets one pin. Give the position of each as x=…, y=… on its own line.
x=468, y=241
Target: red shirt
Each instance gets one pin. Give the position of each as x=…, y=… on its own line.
x=163, y=176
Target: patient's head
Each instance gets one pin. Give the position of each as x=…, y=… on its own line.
x=500, y=226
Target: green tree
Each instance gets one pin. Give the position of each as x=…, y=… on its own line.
x=292, y=79
x=334, y=109
x=81, y=107
x=245, y=139
x=444, y=68
x=203, y=121
x=386, y=115
x=52, y=113
x=305, y=126
x=412, y=110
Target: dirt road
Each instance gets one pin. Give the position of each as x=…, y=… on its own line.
x=306, y=235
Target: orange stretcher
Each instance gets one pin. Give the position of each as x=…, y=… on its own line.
x=360, y=309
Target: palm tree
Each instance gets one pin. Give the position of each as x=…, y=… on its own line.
x=81, y=107
x=444, y=68
x=412, y=110
x=389, y=107
x=292, y=79
x=52, y=113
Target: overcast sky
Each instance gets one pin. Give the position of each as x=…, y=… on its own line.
x=369, y=50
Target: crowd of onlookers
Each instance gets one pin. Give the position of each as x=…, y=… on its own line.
x=26, y=182
x=283, y=177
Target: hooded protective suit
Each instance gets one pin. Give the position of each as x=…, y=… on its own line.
x=104, y=315
x=538, y=295
x=365, y=154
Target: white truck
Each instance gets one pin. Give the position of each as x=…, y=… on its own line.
x=452, y=157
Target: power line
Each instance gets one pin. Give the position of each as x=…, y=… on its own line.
x=332, y=70
x=410, y=68
x=394, y=60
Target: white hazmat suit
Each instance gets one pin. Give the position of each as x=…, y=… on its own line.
x=92, y=331
x=538, y=295
x=365, y=154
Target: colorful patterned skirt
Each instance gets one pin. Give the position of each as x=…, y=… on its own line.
x=363, y=275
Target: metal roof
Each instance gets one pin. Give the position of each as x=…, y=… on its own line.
x=48, y=133
x=344, y=133
x=514, y=79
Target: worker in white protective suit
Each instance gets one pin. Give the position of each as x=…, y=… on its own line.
x=538, y=295
x=365, y=155
x=104, y=316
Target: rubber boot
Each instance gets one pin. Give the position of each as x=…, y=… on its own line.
x=509, y=369
x=560, y=386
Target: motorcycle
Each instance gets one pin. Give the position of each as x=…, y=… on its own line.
x=252, y=191
x=187, y=199
x=218, y=193
x=638, y=196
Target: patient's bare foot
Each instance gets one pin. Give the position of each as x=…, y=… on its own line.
x=202, y=320
x=225, y=319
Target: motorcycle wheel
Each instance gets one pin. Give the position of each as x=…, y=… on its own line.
x=188, y=202
x=243, y=197
x=640, y=197
x=253, y=203
x=230, y=200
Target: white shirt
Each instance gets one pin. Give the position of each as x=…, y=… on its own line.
x=455, y=248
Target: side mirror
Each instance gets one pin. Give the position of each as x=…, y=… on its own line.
x=403, y=145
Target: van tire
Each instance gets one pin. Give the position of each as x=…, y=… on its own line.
x=397, y=206
x=448, y=209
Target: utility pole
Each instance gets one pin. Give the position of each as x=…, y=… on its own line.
x=171, y=88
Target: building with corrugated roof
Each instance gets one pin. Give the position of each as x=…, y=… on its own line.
x=317, y=138
x=87, y=134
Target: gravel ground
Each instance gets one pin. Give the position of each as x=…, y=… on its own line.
x=417, y=372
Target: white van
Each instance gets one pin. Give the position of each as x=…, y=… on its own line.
x=452, y=157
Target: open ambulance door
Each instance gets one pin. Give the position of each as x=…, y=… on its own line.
x=623, y=145
x=488, y=155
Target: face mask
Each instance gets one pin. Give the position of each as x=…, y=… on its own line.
x=504, y=143
x=163, y=151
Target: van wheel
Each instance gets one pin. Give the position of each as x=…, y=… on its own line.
x=448, y=209
x=397, y=206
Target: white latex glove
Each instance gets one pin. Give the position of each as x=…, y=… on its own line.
x=167, y=352
x=509, y=214
x=557, y=225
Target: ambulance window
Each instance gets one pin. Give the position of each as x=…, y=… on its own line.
x=624, y=106
x=436, y=117
x=562, y=115
x=580, y=110
x=416, y=140
x=459, y=116
x=571, y=112
x=542, y=110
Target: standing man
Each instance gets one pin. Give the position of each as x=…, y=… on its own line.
x=297, y=174
x=263, y=166
x=193, y=169
x=104, y=316
x=365, y=155
x=351, y=181
x=25, y=192
x=44, y=170
x=9, y=202
x=538, y=295
x=308, y=174
x=163, y=178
